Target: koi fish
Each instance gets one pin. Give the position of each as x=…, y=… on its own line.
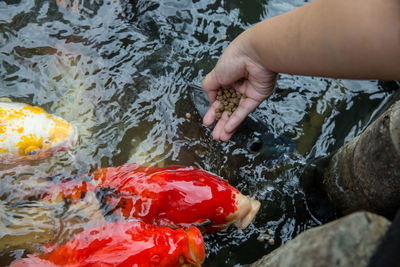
x=30, y=133
x=173, y=196
x=131, y=243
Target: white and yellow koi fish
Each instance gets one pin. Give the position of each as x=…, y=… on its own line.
x=30, y=133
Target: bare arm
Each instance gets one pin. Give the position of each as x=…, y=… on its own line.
x=355, y=39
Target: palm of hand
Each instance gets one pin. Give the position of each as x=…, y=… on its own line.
x=252, y=79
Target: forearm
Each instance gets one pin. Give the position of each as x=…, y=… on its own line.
x=356, y=39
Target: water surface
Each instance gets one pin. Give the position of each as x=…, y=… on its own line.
x=119, y=71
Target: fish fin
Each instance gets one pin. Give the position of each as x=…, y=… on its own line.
x=202, y=223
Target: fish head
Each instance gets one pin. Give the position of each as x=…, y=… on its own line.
x=245, y=213
x=196, y=253
x=30, y=133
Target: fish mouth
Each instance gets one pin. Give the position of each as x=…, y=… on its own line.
x=246, y=211
x=67, y=144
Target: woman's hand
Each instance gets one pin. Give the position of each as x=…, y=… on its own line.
x=239, y=68
x=347, y=39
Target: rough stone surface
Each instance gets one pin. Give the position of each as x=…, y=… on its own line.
x=365, y=173
x=349, y=241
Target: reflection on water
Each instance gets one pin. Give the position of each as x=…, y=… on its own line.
x=120, y=70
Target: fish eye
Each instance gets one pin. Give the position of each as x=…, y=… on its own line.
x=31, y=150
x=255, y=144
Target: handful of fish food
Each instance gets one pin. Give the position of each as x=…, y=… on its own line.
x=229, y=100
x=30, y=133
x=132, y=243
x=172, y=196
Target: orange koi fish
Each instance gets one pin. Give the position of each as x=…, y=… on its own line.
x=171, y=196
x=131, y=243
x=30, y=133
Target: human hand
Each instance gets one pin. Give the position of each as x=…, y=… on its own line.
x=240, y=68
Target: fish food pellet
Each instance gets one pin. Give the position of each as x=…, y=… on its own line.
x=229, y=100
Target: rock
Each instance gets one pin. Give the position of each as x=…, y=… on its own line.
x=365, y=173
x=387, y=253
x=349, y=241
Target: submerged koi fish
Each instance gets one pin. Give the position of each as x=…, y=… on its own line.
x=125, y=244
x=171, y=196
x=30, y=133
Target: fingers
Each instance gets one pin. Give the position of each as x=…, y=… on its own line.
x=219, y=132
x=210, y=85
x=249, y=79
x=209, y=118
x=226, y=125
x=246, y=106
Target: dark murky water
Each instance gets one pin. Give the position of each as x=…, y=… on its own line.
x=119, y=72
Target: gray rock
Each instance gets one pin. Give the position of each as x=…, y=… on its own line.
x=349, y=241
x=365, y=174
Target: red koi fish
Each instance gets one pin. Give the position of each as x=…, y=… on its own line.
x=172, y=196
x=131, y=243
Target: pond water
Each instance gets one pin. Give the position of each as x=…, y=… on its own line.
x=125, y=74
